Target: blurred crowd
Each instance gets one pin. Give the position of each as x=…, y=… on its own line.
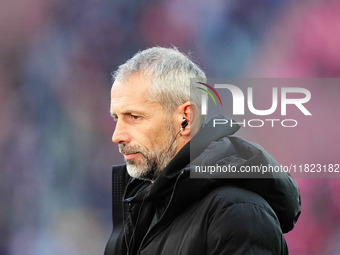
x=55, y=128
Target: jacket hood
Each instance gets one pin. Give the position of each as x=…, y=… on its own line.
x=216, y=145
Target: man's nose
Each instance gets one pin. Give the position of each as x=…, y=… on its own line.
x=121, y=135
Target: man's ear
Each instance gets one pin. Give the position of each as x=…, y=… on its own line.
x=188, y=112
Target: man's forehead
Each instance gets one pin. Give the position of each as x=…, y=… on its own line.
x=135, y=84
x=126, y=91
x=130, y=97
x=120, y=98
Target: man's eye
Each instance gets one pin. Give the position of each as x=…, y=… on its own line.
x=135, y=117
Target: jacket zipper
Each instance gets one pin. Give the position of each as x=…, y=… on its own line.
x=171, y=197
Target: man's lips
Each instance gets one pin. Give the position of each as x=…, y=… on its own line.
x=128, y=156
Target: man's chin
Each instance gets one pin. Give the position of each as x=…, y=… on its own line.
x=137, y=173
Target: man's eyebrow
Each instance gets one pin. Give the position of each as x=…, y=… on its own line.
x=130, y=111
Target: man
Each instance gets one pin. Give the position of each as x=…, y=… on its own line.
x=162, y=210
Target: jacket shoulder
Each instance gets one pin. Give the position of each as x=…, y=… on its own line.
x=226, y=196
x=244, y=222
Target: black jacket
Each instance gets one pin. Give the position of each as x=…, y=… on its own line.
x=182, y=215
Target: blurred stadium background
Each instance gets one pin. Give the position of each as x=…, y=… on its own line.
x=56, y=57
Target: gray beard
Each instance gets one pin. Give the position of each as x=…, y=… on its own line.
x=152, y=164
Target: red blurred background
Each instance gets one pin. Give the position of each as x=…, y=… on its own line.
x=55, y=128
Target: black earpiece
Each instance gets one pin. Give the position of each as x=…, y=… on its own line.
x=184, y=123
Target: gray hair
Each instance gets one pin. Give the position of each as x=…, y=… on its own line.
x=172, y=74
